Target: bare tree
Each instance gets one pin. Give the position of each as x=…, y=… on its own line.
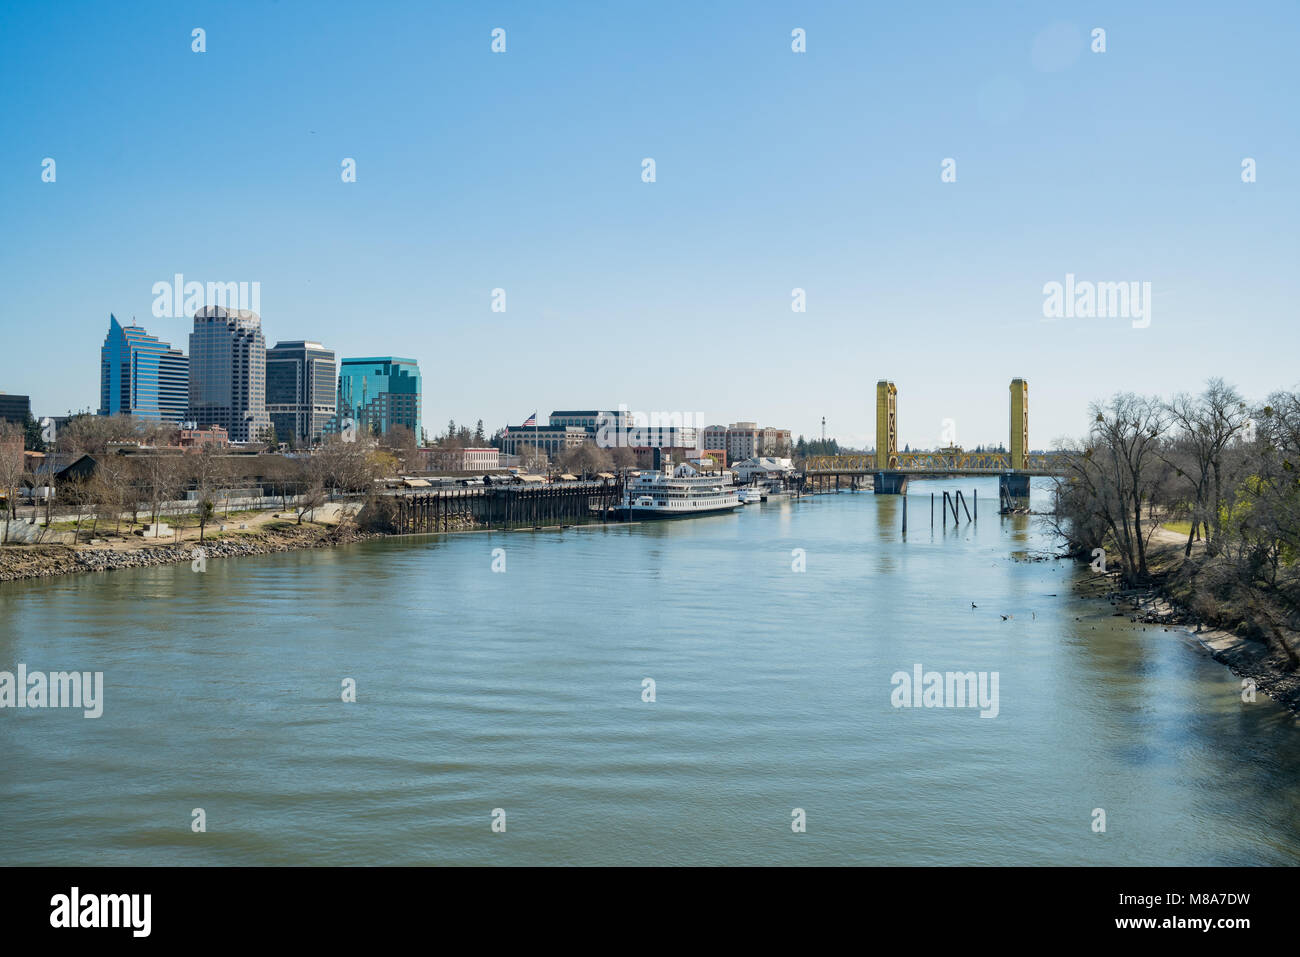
x=1261, y=532
x=586, y=460
x=402, y=440
x=207, y=471
x=349, y=466
x=623, y=457
x=530, y=457
x=1207, y=427
x=161, y=474
x=313, y=479
x=11, y=470
x=1113, y=484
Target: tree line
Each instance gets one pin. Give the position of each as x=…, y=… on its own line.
x=1227, y=469
x=144, y=482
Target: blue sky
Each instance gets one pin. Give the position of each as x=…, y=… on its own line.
x=775, y=170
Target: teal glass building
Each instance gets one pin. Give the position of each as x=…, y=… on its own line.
x=379, y=393
x=139, y=374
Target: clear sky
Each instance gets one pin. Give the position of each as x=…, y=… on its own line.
x=774, y=170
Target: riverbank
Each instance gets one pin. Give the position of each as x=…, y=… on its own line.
x=1236, y=630
x=257, y=534
x=19, y=562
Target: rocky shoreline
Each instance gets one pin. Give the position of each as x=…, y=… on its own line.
x=1244, y=657
x=19, y=562
x=23, y=562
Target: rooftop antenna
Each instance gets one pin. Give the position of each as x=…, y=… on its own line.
x=823, y=431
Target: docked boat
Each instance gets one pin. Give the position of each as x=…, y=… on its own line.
x=678, y=493
x=750, y=496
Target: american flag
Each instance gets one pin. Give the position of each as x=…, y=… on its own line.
x=531, y=420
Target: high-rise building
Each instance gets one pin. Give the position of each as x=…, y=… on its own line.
x=228, y=372
x=139, y=374
x=15, y=408
x=379, y=393
x=301, y=380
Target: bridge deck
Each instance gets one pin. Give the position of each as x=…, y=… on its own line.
x=938, y=463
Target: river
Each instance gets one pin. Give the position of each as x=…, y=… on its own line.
x=522, y=690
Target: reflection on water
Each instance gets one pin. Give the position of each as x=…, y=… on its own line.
x=522, y=691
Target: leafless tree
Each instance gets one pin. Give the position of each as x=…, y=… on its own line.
x=161, y=477
x=11, y=469
x=206, y=471
x=530, y=457
x=347, y=466
x=586, y=460
x=313, y=479
x=1111, y=487
x=1206, y=426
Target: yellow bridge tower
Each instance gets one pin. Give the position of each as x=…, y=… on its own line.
x=886, y=425
x=1019, y=425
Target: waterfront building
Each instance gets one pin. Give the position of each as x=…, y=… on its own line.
x=139, y=374
x=468, y=460
x=378, y=393
x=228, y=372
x=762, y=468
x=301, y=390
x=15, y=408
x=551, y=440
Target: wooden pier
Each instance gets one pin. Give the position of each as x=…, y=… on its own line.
x=559, y=503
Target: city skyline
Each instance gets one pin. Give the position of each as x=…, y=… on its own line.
x=824, y=170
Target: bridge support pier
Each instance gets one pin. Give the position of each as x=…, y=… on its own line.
x=1013, y=490
x=891, y=483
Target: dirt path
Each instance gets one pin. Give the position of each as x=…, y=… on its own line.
x=226, y=528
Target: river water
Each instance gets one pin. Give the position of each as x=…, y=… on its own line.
x=522, y=690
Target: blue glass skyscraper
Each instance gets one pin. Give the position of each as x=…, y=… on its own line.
x=139, y=374
x=379, y=393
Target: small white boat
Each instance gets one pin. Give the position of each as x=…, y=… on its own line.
x=750, y=496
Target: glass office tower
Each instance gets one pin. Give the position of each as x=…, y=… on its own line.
x=300, y=390
x=379, y=393
x=139, y=374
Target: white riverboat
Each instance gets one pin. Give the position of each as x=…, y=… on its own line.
x=750, y=495
x=678, y=493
